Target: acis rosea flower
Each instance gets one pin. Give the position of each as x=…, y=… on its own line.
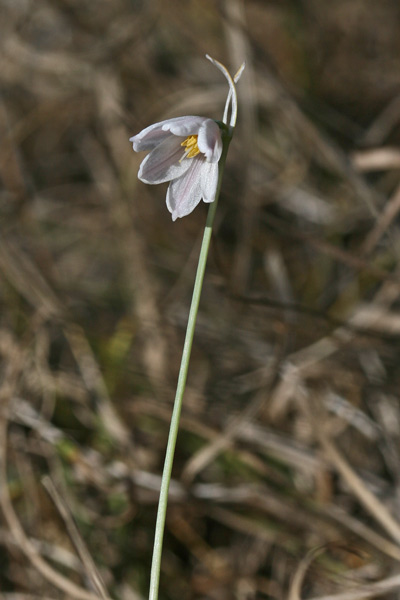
x=184, y=151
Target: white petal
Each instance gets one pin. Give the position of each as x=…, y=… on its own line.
x=162, y=164
x=185, y=125
x=210, y=141
x=209, y=181
x=153, y=135
x=185, y=193
x=149, y=138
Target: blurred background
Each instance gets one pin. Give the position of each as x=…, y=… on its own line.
x=286, y=482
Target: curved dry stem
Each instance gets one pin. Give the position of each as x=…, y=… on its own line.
x=91, y=570
x=367, y=591
x=360, y=490
x=300, y=573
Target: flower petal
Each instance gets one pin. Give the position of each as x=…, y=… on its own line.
x=210, y=141
x=185, y=193
x=153, y=135
x=209, y=181
x=162, y=164
x=149, y=138
x=185, y=125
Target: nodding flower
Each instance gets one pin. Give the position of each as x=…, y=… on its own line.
x=185, y=151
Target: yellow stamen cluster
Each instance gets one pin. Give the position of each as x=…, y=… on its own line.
x=191, y=146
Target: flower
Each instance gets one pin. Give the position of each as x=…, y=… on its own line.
x=184, y=151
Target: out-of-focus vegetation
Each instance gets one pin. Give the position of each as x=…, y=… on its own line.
x=286, y=481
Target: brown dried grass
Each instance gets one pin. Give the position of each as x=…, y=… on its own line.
x=286, y=482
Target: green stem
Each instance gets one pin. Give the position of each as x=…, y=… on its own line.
x=187, y=348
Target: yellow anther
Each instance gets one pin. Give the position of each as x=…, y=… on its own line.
x=191, y=146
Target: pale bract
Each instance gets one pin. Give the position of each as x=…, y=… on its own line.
x=184, y=151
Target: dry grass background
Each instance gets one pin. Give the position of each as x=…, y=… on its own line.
x=286, y=481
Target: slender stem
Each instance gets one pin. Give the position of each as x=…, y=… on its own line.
x=187, y=348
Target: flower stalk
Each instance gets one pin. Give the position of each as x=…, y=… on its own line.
x=187, y=348
x=190, y=153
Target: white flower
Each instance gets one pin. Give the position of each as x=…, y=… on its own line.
x=184, y=151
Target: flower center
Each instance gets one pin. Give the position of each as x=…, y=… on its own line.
x=191, y=146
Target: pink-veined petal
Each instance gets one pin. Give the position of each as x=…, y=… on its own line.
x=185, y=126
x=210, y=141
x=209, y=181
x=162, y=164
x=151, y=136
x=185, y=193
